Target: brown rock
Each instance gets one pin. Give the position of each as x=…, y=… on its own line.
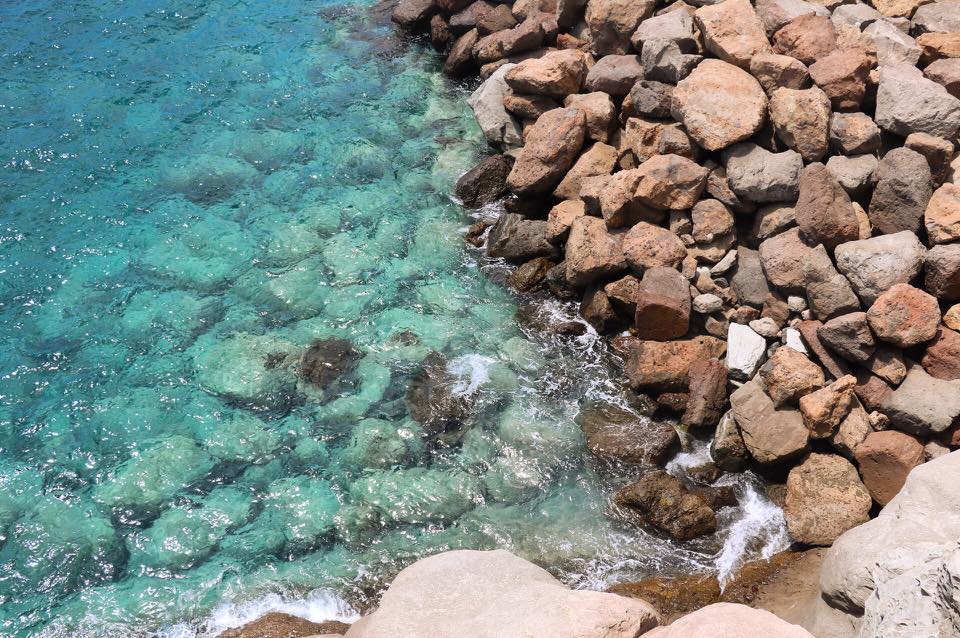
x=556, y=74
x=897, y=8
x=612, y=22
x=465, y=20
x=772, y=220
x=673, y=597
x=951, y=318
x=662, y=501
x=518, y=240
x=946, y=73
x=934, y=46
x=648, y=246
x=600, y=111
x=663, y=305
x=732, y=31
x=613, y=432
x=942, y=356
x=788, y=375
x=888, y=364
x=526, y=36
x=560, y=219
x=885, y=459
x=829, y=294
x=410, y=14
x=643, y=137
x=801, y=119
x=528, y=107
x=618, y=204
x=615, y=74
x=719, y=104
x=497, y=18
x=551, y=148
x=854, y=133
x=599, y=312
x=775, y=71
x=664, y=365
x=648, y=98
x=807, y=38
x=727, y=448
x=670, y=182
x=942, y=215
x=771, y=435
x=825, y=498
x=592, y=252
x=484, y=183
x=851, y=432
x=937, y=150
x=325, y=360
x=440, y=34
x=783, y=258
x=902, y=192
x=843, y=75
x=459, y=61
x=622, y=293
x=599, y=159
x=276, y=624
x=871, y=390
x=904, y=316
x=849, y=336
x=808, y=330
x=825, y=409
x=942, y=272
x=708, y=393
x=531, y=274
x=824, y=211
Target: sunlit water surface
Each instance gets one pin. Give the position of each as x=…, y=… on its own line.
x=191, y=194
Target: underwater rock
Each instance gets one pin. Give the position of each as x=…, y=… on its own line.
x=379, y=444
x=325, y=360
x=303, y=508
x=206, y=179
x=249, y=369
x=242, y=439
x=615, y=432
x=418, y=495
x=431, y=398
x=662, y=501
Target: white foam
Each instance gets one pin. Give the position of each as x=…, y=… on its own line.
x=759, y=530
x=473, y=371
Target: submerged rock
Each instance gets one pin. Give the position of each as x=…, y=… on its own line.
x=618, y=433
x=325, y=360
x=431, y=397
x=662, y=500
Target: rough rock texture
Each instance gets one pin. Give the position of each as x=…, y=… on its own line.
x=784, y=258
x=775, y=71
x=484, y=183
x=499, y=127
x=904, y=316
x=468, y=593
x=615, y=74
x=942, y=215
x=729, y=620
x=843, y=74
x=801, y=119
x=885, y=459
x=661, y=500
x=825, y=409
x=771, y=435
x=727, y=449
x=708, y=393
x=923, y=404
x=807, y=38
x=854, y=133
x=280, y=625
x=757, y=175
x=556, y=74
x=612, y=22
x=789, y=375
x=828, y=292
x=593, y=252
x=941, y=359
x=664, y=365
x=849, y=336
x=732, y=31
x=908, y=103
x=825, y=498
x=551, y=148
x=874, y=265
x=519, y=240
x=902, y=192
x=648, y=246
x=942, y=276
x=745, y=351
x=824, y=211
x=662, y=304
x=670, y=182
x=614, y=432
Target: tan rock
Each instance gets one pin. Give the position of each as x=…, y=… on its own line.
x=618, y=204
x=556, y=74
x=851, y=432
x=825, y=409
x=951, y=318
x=622, y=294
x=648, y=246
x=942, y=215
x=904, y=316
x=526, y=36
x=936, y=46
x=732, y=31
x=612, y=22
x=801, y=119
x=599, y=159
x=789, y=375
x=806, y=38
x=670, y=182
x=771, y=435
x=783, y=258
x=775, y=71
x=560, y=219
x=643, y=137
x=551, y=148
x=600, y=111
x=897, y=8
x=729, y=620
x=277, y=624
x=825, y=498
x=885, y=459
x=528, y=107
x=593, y=252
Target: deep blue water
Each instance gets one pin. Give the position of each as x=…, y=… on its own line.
x=191, y=194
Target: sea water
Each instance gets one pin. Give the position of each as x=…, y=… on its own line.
x=192, y=193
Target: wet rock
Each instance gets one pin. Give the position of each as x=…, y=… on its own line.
x=727, y=448
x=663, y=502
x=622, y=293
x=849, y=336
x=904, y=316
x=874, y=265
x=825, y=498
x=670, y=182
x=824, y=211
x=498, y=126
x=672, y=597
x=551, y=148
x=719, y=104
x=648, y=246
x=828, y=292
x=941, y=359
x=923, y=405
x=942, y=215
x=661, y=366
x=277, y=624
x=526, y=36
x=855, y=174
x=599, y=159
x=531, y=274
x=749, y=282
x=663, y=304
x=459, y=61
x=757, y=175
x=807, y=38
x=613, y=432
x=825, y=409
x=902, y=192
x=250, y=370
x=440, y=34
x=854, y=133
x=557, y=74
x=648, y=98
x=612, y=22
x=561, y=218
x=408, y=14
x=745, y=351
x=615, y=74
x=708, y=393
x=771, y=435
x=843, y=75
x=599, y=312
x=484, y=183
x=885, y=460
x=789, y=375
x=431, y=399
x=908, y=103
x=801, y=119
x=732, y=31
x=942, y=277
x=326, y=360
x=784, y=258
x=518, y=240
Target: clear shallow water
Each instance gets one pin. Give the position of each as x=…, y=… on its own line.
x=190, y=196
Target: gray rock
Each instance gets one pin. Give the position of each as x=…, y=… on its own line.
x=757, y=175
x=854, y=173
x=615, y=74
x=936, y=17
x=942, y=272
x=773, y=219
x=874, y=265
x=676, y=26
x=745, y=351
x=904, y=186
x=749, y=282
x=849, y=336
x=707, y=303
x=777, y=13
x=828, y=292
x=923, y=405
x=518, y=240
x=665, y=61
x=775, y=71
x=498, y=126
x=727, y=448
x=648, y=98
x=857, y=15
x=770, y=435
x=854, y=133
x=946, y=73
x=893, y=46
x=908, y=103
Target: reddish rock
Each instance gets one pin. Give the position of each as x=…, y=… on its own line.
x=615, y=74
x=599, y=159
x=732, y=31
x=440, y=34
x=871, y=390
x=561, y=218
x=531, y=274
x=276, y=624
x=410, y=14
x=824, y=211
x=801, y=120
x=851, y=432
x=612, y=22
x=497, y=18
x=622, y=293
x=663, y=305
x=526, y=36
x=854, y=133
x=648, y=246
x=945, y=73
x=708, y=393
x=617, y=202
x=885, y=458
x=843, y=75
x=937, y=150
x=942, y=356
x=825, y=498
x=670, y=182
x=835, y=366
x=551, y=148
x=942, y=215
x=775, y=71
x=789, y=375
x=807, y=38
x=599, y=312
x=529, y=107
x=459, y=61
x=600, y=112
x=593, y=252
x=662, y=366
x=556, y=74
x=784, y=257
x=825, y=409
x=904, y=316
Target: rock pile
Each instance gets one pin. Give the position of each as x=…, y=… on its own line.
x=770, y=185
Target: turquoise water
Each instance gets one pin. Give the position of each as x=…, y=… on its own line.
x=191, y=195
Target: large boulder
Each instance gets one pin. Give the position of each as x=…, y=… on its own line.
x=490, y=594
x=909, y=103
x=825, y=498
x=484, y=183
x=842, y=74
x=902, y=192
x=904, y=316
x=552, y=146
x=614, y=432
x=670, y=182
x=801, y=119
x=729, y=620
x=499, y=127
x=942, y=356
x=612, y=22
x=556, y=74
x=807, y=38
x=518, y=240
x=789, y=375
x=874, y=265
x=771, y=435
x=277, y=624
x=758, y=175
x=662, y=304
x=593, y=252
x=719, y=104
x=885, y=459
x=649, y=246
x=942, y=272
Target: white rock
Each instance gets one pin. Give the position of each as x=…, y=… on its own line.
x=729, y=620
x=796, y=303
x=765, y=327
x=791, y=337
x=745, y=350
x=724, y=264
x=705, y=304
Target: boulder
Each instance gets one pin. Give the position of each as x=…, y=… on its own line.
x=855, y=174
x=326, y=360
x=526, y=36
x=942, y=215
x=623, y=295
x=776, y=14
x=729, y=620
x=801, y=119
x=941, y=359
x=615, y=74
x=784, y=258
x=531, y=275
x=662, y=304
x=851, y=432
x=897, y=8
x=529, y=107
x=828, y=292
x=835, y=366
x=665, y=61
x=727, y=449
x=946, y=73
x=825, y=498
x=849, y=336
x=599, y=159
x=719, y=104
x=593, y=252
x=904, y=316
x=922, y=404
x=556, y=74
x=770, y=435
x=908, y=103
x=745, y=351
x=888, y=364
x=775, y=71
x=277, y=624
x=662, y=501
x=496, y=18
x=561, y=218
x=885, y=459
x=459, y=61
x=757, y=175
x=825, y=409
x=552, y=146
x=599, y=312
x=612, y=22
x=824, y=211
x=670, y=182
x=409, y=14
x=648, y=246
x=854, y=133
x=708, y=394
x=732, y=31
x=936, y=17
x=892, y=46
x=902, y=192
x=617, y=202
x=662, y=366
x=672, y=26
x=498, y=126
x=942, y=276
x=874, y=265
x=807, y=38
x=518, y=240
x=789, y=375
x=613, y=432
x=937, y=151
x=470, y=593
x=484, y=183
x=843, y=76
x=648, y=98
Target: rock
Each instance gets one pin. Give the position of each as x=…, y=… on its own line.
x=612, y=22
x=923, y=405
x=557, y=74
x=784, y=258
x=440, y=34
x=599, y=159
x=484, y=183
x=663, y=304
x=854, y=133
x=497, y=18
x=719, y=104
x=670, y=182
x=749, y=282
x=622, y=293
x=732, y=31
x=660, y=366
x=613, y=432
x=408, y=14
x=772, y=220
x=825, y=498
x=430, y=397
x=801, y=119
x=849, y=336
x=592, y=252
x=672, y=26
x=888, y=364
x=615, y=74
x=745, y=351
x=770, y=435
x=552, y=146
x=885, y=460
x=892, y=45
x=936, y=17
x=711, y=220
x=938, y=152
x=648, y=246
x=824, y=409
x=531, y=275
x=518, y=240
x=824, y=212
x=807, y=38
x=459, y=61
x=326, y=360
x=617, y=202
x=874, y=265
x=463, y=591
x=662, y=501
x=277, y=624
x=727, y=448
x=904, y=316
x=808, y=330
x=707, y=303
x=855, y=174
x=946, y=73
x=776, y=14
x=648, y=98
x=708, y=393
x=757, y=175
x=951, y=318
x=941, y=359
x=643, y=137
x=828, y=292
x=942, y=277
x=851, y=432
x=498, y=126
x=789, y=375
x=465, y=20
x=902, y=192
x=843, y=75
x=775, y=71
x=871, y=390
x=908, y=103
x=529, y=107
x=942, y=215
x=857, y=15
x=728, y=619
x=561, y=218
x=526, y=36
x=665, y=61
